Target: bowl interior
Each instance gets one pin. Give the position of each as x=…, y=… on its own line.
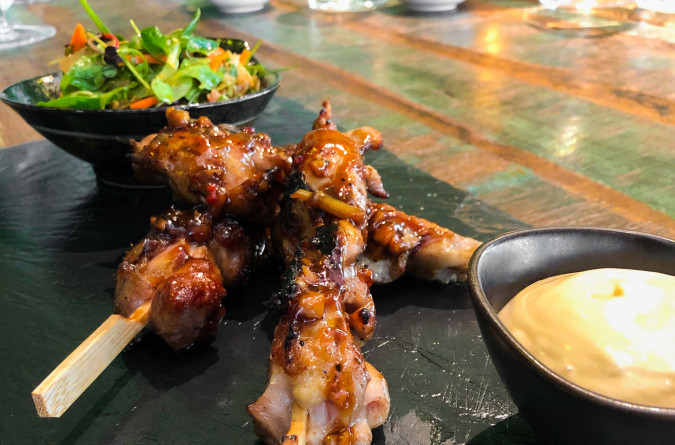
x=32, y=91
x=503, y=267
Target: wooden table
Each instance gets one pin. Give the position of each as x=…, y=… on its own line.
x=547, y=128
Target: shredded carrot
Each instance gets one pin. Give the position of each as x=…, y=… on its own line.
x=245, y=56
x=144, y=103
x=134, y=59
x=79, y=39
x=153, y=60
x=217, y=56
x=139, y=59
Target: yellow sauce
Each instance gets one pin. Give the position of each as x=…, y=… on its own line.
x=608, y=330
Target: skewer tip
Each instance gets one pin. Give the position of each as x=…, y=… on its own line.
x=41, y=406
x=76, y=372
x=297, y=433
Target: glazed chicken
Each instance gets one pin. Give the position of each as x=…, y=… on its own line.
x=334, y=241
x=399, y=243
x=318, y=382
x=237, y=172
x=328, y=164
x=315, y=363
x=176, y=268
x=332, y=182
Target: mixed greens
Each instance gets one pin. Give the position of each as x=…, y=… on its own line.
x=103, y=70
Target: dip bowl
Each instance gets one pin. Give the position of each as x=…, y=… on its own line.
x=559, y=411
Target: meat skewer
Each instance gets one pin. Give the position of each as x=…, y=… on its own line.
x=317, y=375
x=182, y=268
x=171, y=281
x=316, y=365
x=174, y=280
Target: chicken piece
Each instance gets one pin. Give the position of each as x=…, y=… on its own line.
x=237, y=250
x=399, y=243
x=175, y=269
x=238, y=172
x=187, y=306
x=174, y=237
x=330, y=162
x=315, y=362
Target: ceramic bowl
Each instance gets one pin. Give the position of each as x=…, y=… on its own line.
x=101, y=137
x=432, y=5
x=558, y=410
x=239, y=6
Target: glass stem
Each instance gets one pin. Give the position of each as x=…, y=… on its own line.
x=4, y=24
x=6, y=31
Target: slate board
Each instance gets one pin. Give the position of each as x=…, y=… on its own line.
x=62, y=235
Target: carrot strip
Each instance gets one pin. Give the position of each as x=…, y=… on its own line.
x=144, y=103
x=134, y=59
x=153, y=60
x=216, y=57
x=137, y=60
x=79, y=39
x=245, y=56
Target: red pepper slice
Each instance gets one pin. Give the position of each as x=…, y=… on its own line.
x=112, y=39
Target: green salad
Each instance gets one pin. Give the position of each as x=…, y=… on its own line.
x=104, y=70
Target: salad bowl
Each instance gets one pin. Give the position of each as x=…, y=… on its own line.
x=101, y=137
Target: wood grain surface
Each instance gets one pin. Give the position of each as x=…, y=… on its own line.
x=552, y=128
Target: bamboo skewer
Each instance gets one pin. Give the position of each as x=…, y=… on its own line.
x=68, y=381
x=329, y=204
x=297, y=433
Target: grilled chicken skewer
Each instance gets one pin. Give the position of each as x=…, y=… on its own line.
x=181, y=267
x=317, y=375
x=172, y=280
x=316, y=365
x=329, y=183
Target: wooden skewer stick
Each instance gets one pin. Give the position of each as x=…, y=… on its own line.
x=64, y=385
x=297, y=433
x=329, y=204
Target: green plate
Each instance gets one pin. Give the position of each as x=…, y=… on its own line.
x=62, y=236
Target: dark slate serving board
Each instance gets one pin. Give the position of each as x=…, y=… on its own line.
x=62, y=236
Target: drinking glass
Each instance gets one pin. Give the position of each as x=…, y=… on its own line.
x=344, y=5
x=14, y=36
x=580, y=17
x=586, y=5
x=665, y=6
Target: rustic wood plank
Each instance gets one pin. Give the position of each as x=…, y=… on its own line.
x=619, y=95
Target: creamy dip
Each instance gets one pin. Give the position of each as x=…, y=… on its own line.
x=608, y=330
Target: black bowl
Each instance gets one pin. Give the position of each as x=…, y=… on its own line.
x=558, y=410
x=101, y=137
